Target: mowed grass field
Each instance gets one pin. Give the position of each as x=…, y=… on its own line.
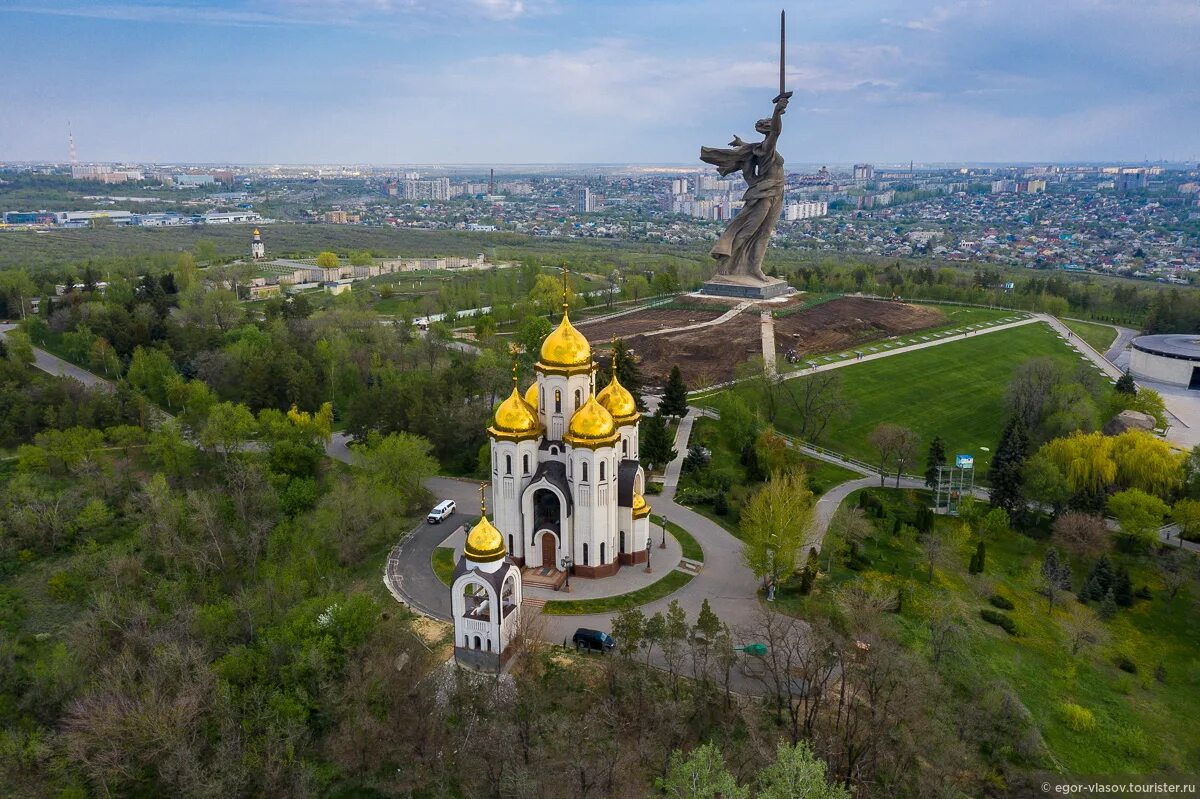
x=953, y=390
x=1101, y=337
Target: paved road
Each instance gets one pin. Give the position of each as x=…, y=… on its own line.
x=56, y=366
x=409, y=575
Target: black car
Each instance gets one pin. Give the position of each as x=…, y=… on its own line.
x=593, y=640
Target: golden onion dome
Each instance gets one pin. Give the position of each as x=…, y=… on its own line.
x=484, y=542
x=256, y=233
x=617, y=400
x=565, y=349
x=514, y=419
x=531, y=396
x=592, y=426
x=640, y=508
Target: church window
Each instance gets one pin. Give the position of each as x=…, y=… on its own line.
x=489, y=644
x=585, y=557
x=525, y=464
x=602, y=471
x=584, y=466
x=601, y=553
x=578, y=396
x=557, y=401
x=508, y=464
x=510, y=542
x=622, y=541
x=624, y=448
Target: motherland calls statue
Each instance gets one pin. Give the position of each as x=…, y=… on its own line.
x=740, y=250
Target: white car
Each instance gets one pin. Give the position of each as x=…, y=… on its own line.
x=440, y=511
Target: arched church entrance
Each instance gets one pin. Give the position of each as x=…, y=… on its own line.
x=549, y=550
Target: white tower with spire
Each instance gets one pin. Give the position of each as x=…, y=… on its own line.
x=257, y=250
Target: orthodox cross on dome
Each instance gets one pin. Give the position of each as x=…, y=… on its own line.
x=483, y=499
x=515, y=352
x=614, y=357
x=566, y=285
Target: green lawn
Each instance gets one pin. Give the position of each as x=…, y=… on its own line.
x=955, y=390
x=667, y=585
x=443, y=564
x=1101, y=337
x=1144, y=725
x=690, y=546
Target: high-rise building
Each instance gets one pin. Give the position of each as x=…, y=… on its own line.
x=805, y=210
x=679, y=186
x=585, y=202
x=435, y=189
x=864, y=172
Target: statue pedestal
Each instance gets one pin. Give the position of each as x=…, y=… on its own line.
x=747, y=288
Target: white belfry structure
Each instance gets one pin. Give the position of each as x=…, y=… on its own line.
x=485, y=598
x=257, y=249
x=567, y=488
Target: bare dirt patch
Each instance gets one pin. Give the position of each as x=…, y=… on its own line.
x=710, y=355
x=601, y=332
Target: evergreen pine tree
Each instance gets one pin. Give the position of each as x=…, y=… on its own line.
x=936, y=458
x=1007, y=466
x=628, y=371
x=1099, y=580
x=1125, y=384
x=978, y=559
x=720, y=503
x=1122, y=588
x=674, y=400
x=1108, y=606
x=656, y=442
x=809, y=575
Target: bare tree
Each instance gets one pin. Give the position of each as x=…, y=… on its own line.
x=895, y=444
x=946, y=631
x=1176, y=568
x=1082, y=627
x=1081, y=534
x=818, y=400
x=1030, y=389
x=852, y=526
x=935, y=550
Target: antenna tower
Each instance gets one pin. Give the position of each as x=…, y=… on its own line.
x=491, y=181
x=71, y=144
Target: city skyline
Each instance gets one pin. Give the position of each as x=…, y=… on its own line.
x=506, y=81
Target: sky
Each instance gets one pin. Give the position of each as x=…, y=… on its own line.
x=596, y=81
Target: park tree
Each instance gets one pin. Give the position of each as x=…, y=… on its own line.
x=895, y=446
x=1099, y=581
x=1146, y=462
x=699, y=774
x=629, y=372
x=978, y=560
x=399, y=463
x=1186, y=515
x=360, y=258
x=1082, y=534
x=18, y=347
x=1007, y=467
x=796, y=773
x=1125, y=385
x=1176, y=569
x=629, y=628
x=818, y=400
x=1139, y=514
x=775, y=525
x=675, y=397
x=739, y=425
x=656, y=444
x=935, y=459
x=1055, y=576
x=851, y=526
x=1085, y=460
x=327, y=259
x=636, y=287
x=1082, y=627
x=228, y=428
x=1044, y=484
x=549, y=293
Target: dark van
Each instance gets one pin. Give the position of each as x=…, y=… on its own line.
x=593, y=641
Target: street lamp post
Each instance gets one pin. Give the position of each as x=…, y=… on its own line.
x=648, y=569
x=663, y=545
x=567, y=562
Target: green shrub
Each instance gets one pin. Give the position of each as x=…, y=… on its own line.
x=720, y=503
x=654, y=488
x=1078, y=718
x=1126, y=664
x=999, y=619
x=1004, y=603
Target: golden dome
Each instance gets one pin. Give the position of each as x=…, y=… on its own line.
x=256, y=233
x=640, y=508
x=484, y=543
x=531, y=396
x=592, y=426
x=514, y=419
x=617, y=400
x=565, y=349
